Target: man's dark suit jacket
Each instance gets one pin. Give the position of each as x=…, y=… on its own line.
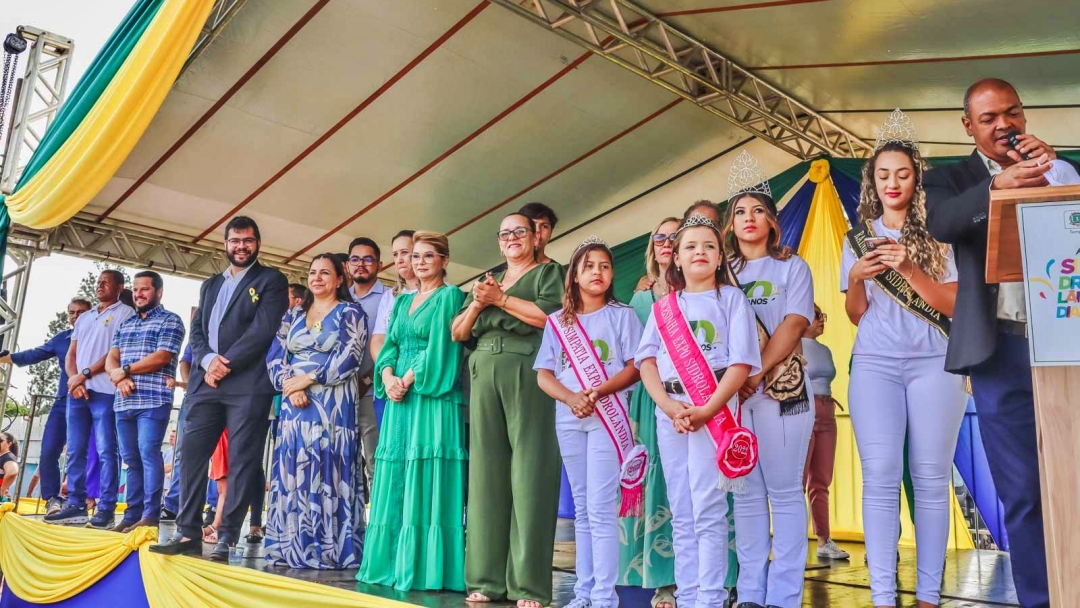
x=957, y=208
x=247, y=330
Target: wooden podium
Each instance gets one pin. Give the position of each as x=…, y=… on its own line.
x=1056, y=378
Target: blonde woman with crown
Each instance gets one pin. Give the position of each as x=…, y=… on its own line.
x=901, y=289
x=777, y=400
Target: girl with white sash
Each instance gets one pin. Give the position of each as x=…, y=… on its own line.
x=713, y=349
x=900, y=293
x=586, y=363
x=778, y=399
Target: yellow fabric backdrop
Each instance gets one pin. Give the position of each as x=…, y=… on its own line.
x=820, y=247
x=96, y=149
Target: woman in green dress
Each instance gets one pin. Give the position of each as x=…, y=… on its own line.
x=647, y=557
x=515, y=463
x=416, y=536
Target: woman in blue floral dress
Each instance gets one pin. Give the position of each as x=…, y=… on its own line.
x=313, y=362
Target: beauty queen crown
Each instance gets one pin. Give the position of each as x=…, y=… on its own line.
x=592, y=240
x=746, y=176
x=698, y=220
x=897, y=129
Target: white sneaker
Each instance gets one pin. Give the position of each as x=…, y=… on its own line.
x=831, y=551
x=579, y=603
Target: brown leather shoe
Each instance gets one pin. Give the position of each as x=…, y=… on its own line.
x=124, y=526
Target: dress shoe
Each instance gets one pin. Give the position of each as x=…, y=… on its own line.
x=175, y=546
x=124, y=526
x=221, y=551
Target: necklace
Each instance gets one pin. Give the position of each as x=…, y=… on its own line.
x=318, y=324
x=432, y=290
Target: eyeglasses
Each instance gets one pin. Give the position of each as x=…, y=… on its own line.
x=516, y=233
x=427, y=256
x=660, y=238
x=238, y=242
x=367, y=260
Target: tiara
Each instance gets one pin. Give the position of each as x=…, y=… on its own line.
x=698, y=220
x=897, y=129
x=592, y=240
x=746, y=176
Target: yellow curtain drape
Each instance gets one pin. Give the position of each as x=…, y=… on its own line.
x=100, y=144
x=175, y=582
x=44, y=564
x=821, y=247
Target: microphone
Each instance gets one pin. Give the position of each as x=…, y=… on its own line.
x=1015, y=143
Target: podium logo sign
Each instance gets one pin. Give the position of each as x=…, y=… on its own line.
x=1050, y=246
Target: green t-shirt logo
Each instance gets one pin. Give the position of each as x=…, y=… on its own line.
x=705, y=332
x=760, y=293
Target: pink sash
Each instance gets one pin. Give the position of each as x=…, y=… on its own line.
x=590, y=372
x=736, y=446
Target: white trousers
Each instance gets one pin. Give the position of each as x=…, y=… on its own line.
x=592, y=467
x=890, y=398
x=777, y=482
x=699, y=529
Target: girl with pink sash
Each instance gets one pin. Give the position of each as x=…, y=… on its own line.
x=706, y=338
x=586, y=364
x=781, y=292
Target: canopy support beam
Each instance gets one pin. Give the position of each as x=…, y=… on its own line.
x=631, y=37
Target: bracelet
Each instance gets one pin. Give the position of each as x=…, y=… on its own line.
x=506, y=298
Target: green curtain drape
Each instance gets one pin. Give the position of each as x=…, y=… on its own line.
x=83, y=97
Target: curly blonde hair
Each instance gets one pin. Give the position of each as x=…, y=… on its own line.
x=925, y=252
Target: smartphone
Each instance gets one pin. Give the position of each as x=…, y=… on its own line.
x=877, y=241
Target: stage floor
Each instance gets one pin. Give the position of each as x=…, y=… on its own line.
x=973, y=579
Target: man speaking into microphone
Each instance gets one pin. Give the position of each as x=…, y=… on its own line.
x=988, y=341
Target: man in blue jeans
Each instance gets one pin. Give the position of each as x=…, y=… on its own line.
x=90, y=405
x=141, y=365
x=55, y=435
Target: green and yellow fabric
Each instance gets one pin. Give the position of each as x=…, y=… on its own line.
x=106, y=113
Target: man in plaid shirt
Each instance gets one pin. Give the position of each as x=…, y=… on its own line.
x=142, y=359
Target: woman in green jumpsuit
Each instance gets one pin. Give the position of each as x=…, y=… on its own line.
x=514, y=463
x=416, y=536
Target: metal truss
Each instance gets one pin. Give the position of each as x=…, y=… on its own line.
x=118, y=243
x=37, y=99
x=223, y=11
x=629, y=36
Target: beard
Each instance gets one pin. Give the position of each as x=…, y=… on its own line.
x=150, y=305
x=248, y=262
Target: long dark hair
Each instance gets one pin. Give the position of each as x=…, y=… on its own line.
x=572, y=303
x=775, y=249
x=14, y=449
x=925, y=252
x=341, y=293
x=724, y=275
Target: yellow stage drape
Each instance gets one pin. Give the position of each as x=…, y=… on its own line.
x=820, y=247
x=100, y=144
x=44, y=564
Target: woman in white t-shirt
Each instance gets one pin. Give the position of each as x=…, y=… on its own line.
x=589, y=455
x=724, y=326
x=401, y=250
x=899, y=385
x=780, y=290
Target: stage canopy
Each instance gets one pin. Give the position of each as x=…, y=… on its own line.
x=330, y=119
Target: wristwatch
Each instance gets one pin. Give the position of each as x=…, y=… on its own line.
x=314, y=377
x=86, y=373
x=127, y=370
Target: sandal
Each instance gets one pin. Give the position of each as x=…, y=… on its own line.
x=209, y=535
x=254, y=538
x=477, y=598
x=664, y=595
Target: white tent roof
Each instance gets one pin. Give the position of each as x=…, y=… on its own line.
x=380, y=115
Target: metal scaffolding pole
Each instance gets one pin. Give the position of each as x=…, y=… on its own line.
x=38, y=97
x=633, y=38
x=220, y=15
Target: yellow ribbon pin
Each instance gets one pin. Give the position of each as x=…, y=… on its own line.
x=254, y=295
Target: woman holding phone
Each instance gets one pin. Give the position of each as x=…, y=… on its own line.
x=901, y=288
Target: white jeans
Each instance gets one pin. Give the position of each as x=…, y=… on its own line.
x=592, y=467
x=699, y=529
x=777, y=481
x=890, y=397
